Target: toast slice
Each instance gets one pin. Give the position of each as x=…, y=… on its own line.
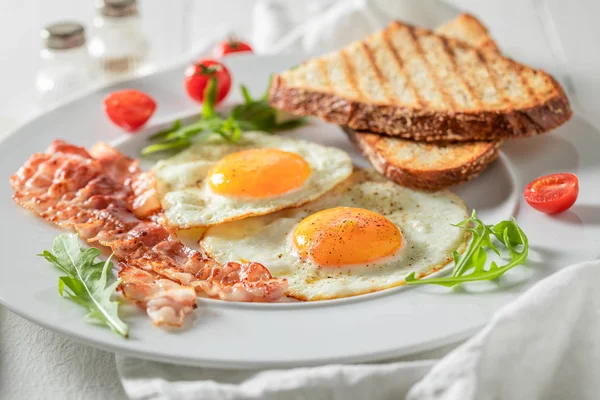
x=422, y=165
x=416, y=84
x=430, y=166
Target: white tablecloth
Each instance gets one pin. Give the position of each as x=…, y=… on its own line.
x=36, y=363
x=541, y=346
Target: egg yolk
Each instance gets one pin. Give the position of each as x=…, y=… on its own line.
x=258, y=173
x=346, y=236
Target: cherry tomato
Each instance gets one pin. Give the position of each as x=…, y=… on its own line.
x=553, y=193
x=129, y=109
x=231, y=46
x=198, y=75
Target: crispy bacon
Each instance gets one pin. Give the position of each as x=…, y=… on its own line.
x=145, y=200
x=164, y=300
x=106, y=199
x=117, y=166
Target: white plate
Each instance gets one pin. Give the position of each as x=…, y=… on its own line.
x=383, y=325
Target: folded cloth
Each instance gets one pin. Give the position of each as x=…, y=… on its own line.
x=544, y=345
x=284, y=27
x=317, y=26
x=151, y=380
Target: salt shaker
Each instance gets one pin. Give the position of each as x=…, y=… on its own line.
x=118, y=44
x=65, y=66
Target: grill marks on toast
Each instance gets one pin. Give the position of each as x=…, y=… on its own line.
x=416, y=67
x=316, y=75
x=378, y=74
x=313, y=76
x=484, y=81
x=528, y=87
x=368, y=77
x=413, y=83
x=452, y=79
x=322, y=67
x=469, y=30
x=402, y=80
x=508, y=80
x=350, y=74
x=495, y=79
x=437, y=74
x=471, y=96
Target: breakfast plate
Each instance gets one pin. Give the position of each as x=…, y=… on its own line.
x=378, y=326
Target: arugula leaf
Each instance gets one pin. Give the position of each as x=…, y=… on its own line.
x=246, y=94
x=513, y=233
x=173, y=145
x=252, y=114
x=210, y=98
x=86, y=281
x=166, y=132
x=255, y=111
x=262, y=116
x=471, y=265
x=230, y=129
x=189, y=131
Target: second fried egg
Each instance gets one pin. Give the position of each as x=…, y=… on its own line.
x=216, y=181
x=364, y=236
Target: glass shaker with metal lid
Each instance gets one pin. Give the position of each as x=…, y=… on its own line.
x=65, y=66
x=118, y=44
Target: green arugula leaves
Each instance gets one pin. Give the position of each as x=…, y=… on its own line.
x=86, y=281
x=471, y=265
x=253, y=114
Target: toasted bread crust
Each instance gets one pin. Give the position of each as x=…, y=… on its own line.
x=374, y=149
x=423, y=125
x=469, y=30
x=541, y=108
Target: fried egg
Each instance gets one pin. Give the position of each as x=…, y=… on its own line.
x=365, y=235
x=216, y=180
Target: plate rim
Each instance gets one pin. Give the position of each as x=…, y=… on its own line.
x=124, y=348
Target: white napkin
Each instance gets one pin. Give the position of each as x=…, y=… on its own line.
x=318, y=26
x=542, y=346
x=150, y=380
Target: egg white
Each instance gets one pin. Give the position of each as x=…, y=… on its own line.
x=424, y=219
x=188, y=201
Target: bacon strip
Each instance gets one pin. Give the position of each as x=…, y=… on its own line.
x=165, y=301
x=106, y=199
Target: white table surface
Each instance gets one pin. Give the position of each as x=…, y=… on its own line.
x=36, y=363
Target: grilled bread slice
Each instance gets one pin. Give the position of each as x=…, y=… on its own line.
x=430, y=166
x=413, y=83
x=422, y=165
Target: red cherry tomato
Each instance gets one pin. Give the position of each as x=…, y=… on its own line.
x=129, y=109
x=231, y=46
x=553, y=193
x=198, y=75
